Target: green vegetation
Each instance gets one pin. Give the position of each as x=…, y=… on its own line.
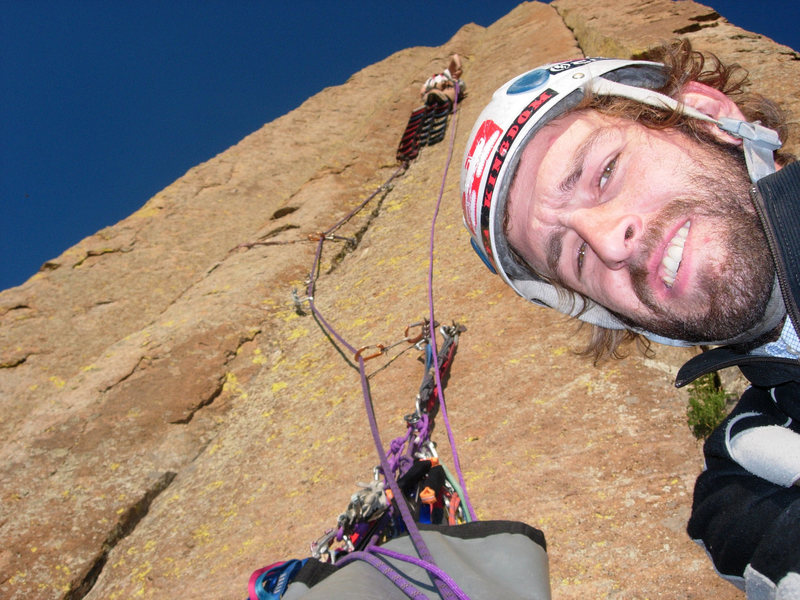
x=707, y=405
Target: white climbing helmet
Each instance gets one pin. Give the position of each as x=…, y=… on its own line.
x=517, y=111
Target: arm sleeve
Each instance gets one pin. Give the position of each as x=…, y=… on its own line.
x=749, y=523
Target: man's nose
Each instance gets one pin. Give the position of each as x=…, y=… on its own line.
x=611, y=233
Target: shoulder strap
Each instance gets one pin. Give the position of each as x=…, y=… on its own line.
x=763, y=371
x=778, y=205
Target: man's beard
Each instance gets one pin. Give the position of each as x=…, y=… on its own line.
x=732, y=292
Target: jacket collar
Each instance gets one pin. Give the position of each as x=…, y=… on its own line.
x=777, y=202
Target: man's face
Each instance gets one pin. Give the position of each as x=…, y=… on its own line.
x=649, y=223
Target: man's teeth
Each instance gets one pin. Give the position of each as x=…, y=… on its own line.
x=674, y=254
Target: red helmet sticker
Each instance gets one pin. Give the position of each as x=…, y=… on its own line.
x=475, y=165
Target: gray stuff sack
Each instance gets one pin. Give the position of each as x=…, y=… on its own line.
x=487, y=559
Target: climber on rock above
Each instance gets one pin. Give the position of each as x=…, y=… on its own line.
x=440, y=88
x=649, y=199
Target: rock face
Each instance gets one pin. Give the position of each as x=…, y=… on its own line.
x=170, y=422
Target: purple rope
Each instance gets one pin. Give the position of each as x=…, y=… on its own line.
x=328, y=327
x=424, y=428
x=400, y=463
x=408, y=519
x=396, y=578
x=460, y=594
x=396, y=460
x=436, y=375
x=413, y=531
x=448, y=589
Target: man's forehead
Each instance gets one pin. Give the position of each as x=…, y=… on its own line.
x=549, y=168
x=553, y=148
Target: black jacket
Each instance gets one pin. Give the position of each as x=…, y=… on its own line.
x=746, y=508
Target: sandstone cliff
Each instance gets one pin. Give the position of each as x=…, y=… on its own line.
x=170, y=423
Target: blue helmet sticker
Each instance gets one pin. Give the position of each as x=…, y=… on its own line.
x=529, y=81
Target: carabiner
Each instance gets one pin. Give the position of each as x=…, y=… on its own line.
x=428, y=451
x=381, y=349
x=422, y=332
x=298, y=302
x=321, y=546
x=413, y=418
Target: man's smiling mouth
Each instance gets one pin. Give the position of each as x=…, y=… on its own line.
x=674, y=254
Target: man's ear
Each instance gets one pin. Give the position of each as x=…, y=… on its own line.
x=715, y=104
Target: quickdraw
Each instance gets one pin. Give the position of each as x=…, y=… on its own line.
x=427, y=486
x=423, y=327
x=298, y=302
x=413, y=340
x=319, y=236
x=360, y=352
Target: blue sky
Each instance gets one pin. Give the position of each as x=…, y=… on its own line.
x=104, y=103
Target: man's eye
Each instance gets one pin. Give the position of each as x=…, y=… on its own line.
x=608, y=171
x=581, y=256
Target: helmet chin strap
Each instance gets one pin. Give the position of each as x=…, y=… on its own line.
x=758, y=142
x=596, y=314
x=772, y=318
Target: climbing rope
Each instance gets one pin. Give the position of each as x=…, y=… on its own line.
x=413, y=461
x=370, y=507
x=449, y=430
x=446, y=587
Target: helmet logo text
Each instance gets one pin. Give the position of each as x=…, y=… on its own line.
x=571, y=64
x=500, y=157
x=475, y=165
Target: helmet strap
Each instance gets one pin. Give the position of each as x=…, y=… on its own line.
x=758, y=142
